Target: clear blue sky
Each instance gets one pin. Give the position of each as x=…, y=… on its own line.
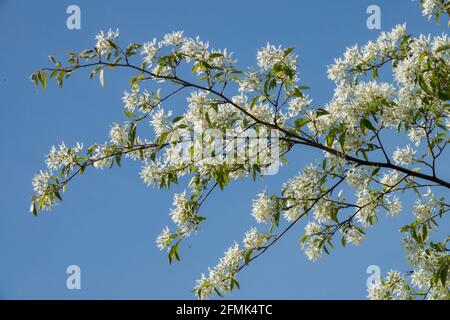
x=109, y=219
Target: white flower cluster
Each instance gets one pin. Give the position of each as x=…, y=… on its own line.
x=394, y=205
x=251, y=82
x=149, y=50
x=119, y=134
x=390, y=178
x=41, y=182
x=159, y=121
x=194, y=48
x=425, y=207
x=426, y=263
x=429, y=7
x=153, y=172
x=353, y=235
x=175, y=39
x=45, y=185
x=297, y=105
x=416, y=135
x=367, y=201
x=311, y=247
x=411, y=94
x=102, y=156
x=358, y=177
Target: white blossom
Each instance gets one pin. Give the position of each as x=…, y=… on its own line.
x=62, y=156
x=297, y=104
x=312, y=250
x=251, y=82
x=149, y=50
x=175, y=38
x=312, y=228
x=366, y=211
x=253, y=240
x=391, y=178
x=103, y=41
x=262, y=209
x=416, y=135
x=164, y=238
x=159, y=121
x=354, y=236
x=394, y=206
x=130, y=100
x=270, y=55
x=119, y=134
x=41, y=182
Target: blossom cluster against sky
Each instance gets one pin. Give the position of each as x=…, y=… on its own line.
x=108, y=222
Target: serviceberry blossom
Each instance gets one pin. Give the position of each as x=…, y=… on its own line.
x=253, y=240
x=119, y=134
x=164, y=239
x=394, y=206
x=270, y=55
x=62, y=156
x=149, y=50
x=428, y=7
x=194, y=48
x=297, y=105
x=261, y=210
x=208, y=143
x=175, y=38
x=103, y=44
x=404, y=155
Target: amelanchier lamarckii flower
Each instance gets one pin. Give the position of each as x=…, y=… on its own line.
x=339, y=196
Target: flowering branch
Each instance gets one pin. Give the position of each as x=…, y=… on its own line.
x=225, y=106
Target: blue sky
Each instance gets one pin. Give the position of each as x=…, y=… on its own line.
x=109, y=219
